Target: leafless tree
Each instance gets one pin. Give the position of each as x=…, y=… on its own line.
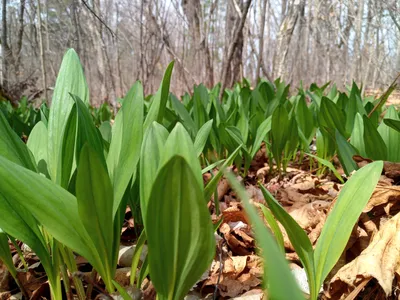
x=211, y=41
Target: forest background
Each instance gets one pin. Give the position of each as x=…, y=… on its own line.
x=211, y=41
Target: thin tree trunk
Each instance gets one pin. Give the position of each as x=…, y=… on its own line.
x=285, y=36
x=4, y=46
x=20, y=36
x=233, y=46
x=141, y=62
x=42, y=54
x=263, y=10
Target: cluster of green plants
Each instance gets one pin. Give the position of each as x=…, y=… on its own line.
x=65, y=191
x=23, y=117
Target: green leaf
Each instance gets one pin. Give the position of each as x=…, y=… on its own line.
x=158, y=104
x=37, y=144
x=279, y=132
x=124, y=154
x=180, y=143
x=179, y=230
x=12, y=147
x=184, y=115
x=357, y=135
x=374, y=144
x=152, y=149
x=70, y=79
x=262, y=131
x=136, y=256
x=123, y=293
x=332, y=117
x=51, y=205
x=340, y=222
x=298, y=238
x=202, y=136
x=390, y=136
x=5, y=254
x=200, y=98
x=304, y=118
x=86, y=131
x=395, y=124
x=346, y=153
x=269, y=217
x=68, y=161
x=329, y=165
x=213, y=183
x=280, y=282
x=95, y=203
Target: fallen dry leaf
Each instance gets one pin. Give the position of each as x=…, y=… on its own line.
x=386, y=196
x=240, y=241
x=238, y=274
x=379, y=260
x=232, y=287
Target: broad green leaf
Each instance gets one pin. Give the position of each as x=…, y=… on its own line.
x=279, y=132
x=304, y=118
x=152, y=149
x=340, y=222
x=357, y=135
x=86, y=131
x=70, y=79
x=68, y=160
x=51, y=205
x=346, y=153
x=105, y=130
x=390, y=136
x=374, y=145
x=353, y=107
x=262, y=131
x=95, y=202
x=37, y=144
x=5, y=254
x=200, y=97
x=280, y=282
x=202, y=136
x=179, y=230
x=332, y=117
x=395, y=124
x=158, y=104
x=126, y=143
x=12, y=147
x=298, y=238
x=269, y=217
x=184, y=115
x=180, y=143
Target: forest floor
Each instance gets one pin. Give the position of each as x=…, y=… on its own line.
x=368, y=269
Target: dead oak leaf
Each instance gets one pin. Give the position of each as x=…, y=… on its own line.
x=385, y=196
x=232, y=287
x=379, y=260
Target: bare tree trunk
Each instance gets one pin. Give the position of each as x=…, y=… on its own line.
x=285, y=36
x=20, y=36
x=355, y=69
x=42, y=55
x=6, y=53
x=263, y=10
x=193, y=12
x=141, y=62
x=237, y=39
